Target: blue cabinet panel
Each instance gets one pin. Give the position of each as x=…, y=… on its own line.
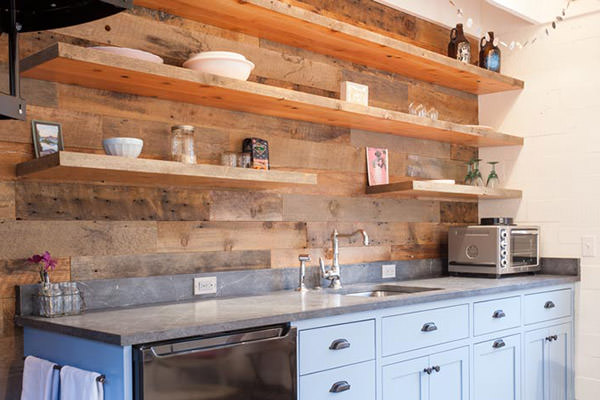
x=113, y=361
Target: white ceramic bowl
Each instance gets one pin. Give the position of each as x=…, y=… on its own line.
x=223, y=63
x=132, y=53
x=124, y=147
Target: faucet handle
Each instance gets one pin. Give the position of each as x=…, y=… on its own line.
x=304, y=257
x=322, y=265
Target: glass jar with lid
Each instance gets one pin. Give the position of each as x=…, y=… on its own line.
x=182, y=144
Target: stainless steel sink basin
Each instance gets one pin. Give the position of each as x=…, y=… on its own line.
x=386, y=290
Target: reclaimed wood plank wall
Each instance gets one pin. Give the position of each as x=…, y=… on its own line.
x=103, y=231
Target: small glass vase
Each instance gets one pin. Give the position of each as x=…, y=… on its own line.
x=493, y=181
x=49, y=300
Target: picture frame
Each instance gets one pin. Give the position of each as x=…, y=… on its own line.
x=378, y=166
x=47, y=138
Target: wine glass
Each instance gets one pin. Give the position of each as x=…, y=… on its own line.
x=477, y=178
x=492, y=180
x=469, y=177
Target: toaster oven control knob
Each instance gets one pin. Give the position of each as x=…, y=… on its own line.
x=503, y=253
x=503, y=244
x=504, y=263
x=503, y=234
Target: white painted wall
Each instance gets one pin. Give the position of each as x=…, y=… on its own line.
x=558, y=169
x=559, y=166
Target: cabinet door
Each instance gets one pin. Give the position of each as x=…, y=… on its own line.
x=496, y=369
x=451, y=381
x=406, y=380
x=558, y=363
x=535, y=365
x=548, y=364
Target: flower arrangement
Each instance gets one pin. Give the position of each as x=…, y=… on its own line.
x=46, y=264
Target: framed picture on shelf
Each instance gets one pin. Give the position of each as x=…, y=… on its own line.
x=47, y=138
x=377, y=166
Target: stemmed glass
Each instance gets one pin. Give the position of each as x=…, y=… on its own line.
x=492, y=180
x=469, y=177
x=477, y=178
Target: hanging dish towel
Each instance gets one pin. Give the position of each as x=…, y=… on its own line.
x=40, y=380
x=77, y=384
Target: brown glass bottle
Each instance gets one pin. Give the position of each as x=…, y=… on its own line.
x=489, y=55
x=459, y=47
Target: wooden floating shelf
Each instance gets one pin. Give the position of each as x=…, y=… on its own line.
x=444, y=190
x=87, y=67
x=285, y=22
x=84, y=167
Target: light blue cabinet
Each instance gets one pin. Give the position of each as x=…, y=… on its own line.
x=548, y=374
x=497, y=369
x=440, y=376
x=509, y=346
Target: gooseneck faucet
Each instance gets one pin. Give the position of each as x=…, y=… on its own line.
x=333, y=273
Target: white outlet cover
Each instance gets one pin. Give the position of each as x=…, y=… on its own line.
x=205, y=285
x=388, y=271
x=588, y=246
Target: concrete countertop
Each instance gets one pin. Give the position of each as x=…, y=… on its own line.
x=129, y=326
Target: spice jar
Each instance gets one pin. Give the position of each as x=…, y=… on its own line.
x=244, y=160
x=182, y=144
x=229, y=159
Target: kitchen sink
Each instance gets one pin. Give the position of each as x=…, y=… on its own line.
x=386, y=291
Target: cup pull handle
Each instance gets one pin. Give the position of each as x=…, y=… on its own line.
x=549, y=305
x=429, y=327
x=339, y=344
x=339, y=387
x=498, y=314
x=498, y=344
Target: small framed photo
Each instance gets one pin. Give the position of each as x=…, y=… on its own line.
x=47, y=138
x=377, y=166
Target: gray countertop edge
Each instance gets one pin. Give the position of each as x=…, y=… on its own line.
x=55, y=325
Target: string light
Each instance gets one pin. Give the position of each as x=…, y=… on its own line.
x=516, y=44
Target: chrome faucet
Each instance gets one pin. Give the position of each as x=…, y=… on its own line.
x=303, y=258
x=333, y=273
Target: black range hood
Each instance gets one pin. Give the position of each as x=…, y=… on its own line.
x=38, y=15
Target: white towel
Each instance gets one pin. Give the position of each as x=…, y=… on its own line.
x=40, y=380
x=77, y=384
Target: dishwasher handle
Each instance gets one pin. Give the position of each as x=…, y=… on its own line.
x=219, y=342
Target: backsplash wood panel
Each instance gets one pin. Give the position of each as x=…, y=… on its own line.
x=102, y=231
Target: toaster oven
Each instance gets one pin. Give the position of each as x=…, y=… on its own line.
x=493, y=250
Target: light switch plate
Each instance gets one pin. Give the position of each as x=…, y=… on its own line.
x=588, y=246
x=205, y=285
x=388, y=271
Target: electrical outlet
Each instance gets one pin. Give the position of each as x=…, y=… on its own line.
x=588, y=246
x=205, y=285
x=388, y=271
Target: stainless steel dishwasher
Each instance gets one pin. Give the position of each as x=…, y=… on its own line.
x=251, y=364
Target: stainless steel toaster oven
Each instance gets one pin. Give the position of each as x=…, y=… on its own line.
x=493, y=250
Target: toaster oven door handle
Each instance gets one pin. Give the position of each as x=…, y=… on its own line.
x=524, y=232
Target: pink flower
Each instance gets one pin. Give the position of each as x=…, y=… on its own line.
x=48, y=263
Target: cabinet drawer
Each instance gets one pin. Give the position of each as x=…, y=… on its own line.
x=358, y=379
x=336, y=346
x=496, y=315
x=545, y=306
x=416, y=330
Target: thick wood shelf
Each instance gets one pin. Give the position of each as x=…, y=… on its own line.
x=84, y=167
x=443, y=190
x=284, y=22
x=96, y=69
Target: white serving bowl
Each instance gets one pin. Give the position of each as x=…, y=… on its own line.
x=123, y=147
x=223, y=63
x=131, y=53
